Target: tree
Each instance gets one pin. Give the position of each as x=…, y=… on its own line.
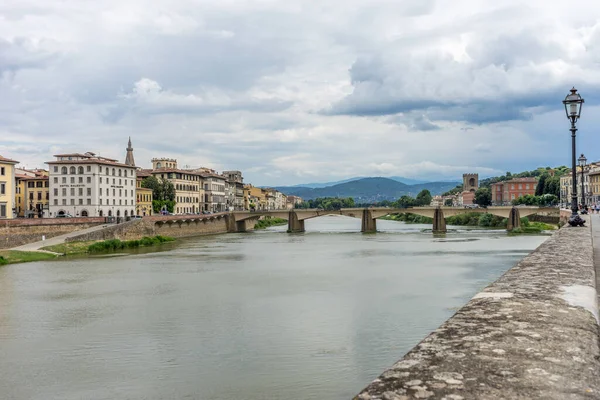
x=153, y=183
x=539, y=189
x=448, y=202
x=483, y=197
x=163, y=193
x=552, y=185
x=404, y=202
x=456, y=190
x=423, y=198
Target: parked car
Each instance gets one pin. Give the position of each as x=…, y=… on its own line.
x=64, y=216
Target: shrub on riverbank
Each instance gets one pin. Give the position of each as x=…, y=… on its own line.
x=484, y=220
x=409, y=218
x=116, y=244
x=269, y=221
x=3, y=261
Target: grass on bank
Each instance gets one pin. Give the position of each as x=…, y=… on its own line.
x=268, y=221
x=116, y=244
x=69, y=248
x=73, y=248
x=15, y=256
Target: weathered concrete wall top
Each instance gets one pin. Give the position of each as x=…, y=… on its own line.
x=532, y=334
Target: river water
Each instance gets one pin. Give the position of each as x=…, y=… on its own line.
x=263, y=315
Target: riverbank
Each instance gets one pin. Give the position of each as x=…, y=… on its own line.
x=531, y=334
x=84, y=247
x=475, y=219
x=269, y=221
x=16, y=256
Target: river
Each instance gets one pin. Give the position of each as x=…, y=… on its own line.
x=262, y=315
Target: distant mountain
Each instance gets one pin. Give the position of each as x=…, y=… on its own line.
x=327, y=184
x=368, y=190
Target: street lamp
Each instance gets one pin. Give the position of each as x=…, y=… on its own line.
x=573, y=104
x=582, y=163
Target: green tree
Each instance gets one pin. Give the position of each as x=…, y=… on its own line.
x=163, y=193
x=539, y=189
x=483, y=197
x=552, y=185
x=448, y=202
x=404, y=202
x=423, y=198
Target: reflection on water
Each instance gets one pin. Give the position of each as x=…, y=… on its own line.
x=250, y=316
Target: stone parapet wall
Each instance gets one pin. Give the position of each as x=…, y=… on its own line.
x=18, y=222
x=532, y=334
x=18, y=232
x=165, y=226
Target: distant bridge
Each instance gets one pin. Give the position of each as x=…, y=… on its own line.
x=239, y=220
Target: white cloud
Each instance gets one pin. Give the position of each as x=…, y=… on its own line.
x=427, y=89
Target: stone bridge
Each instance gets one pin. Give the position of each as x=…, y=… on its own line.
x=239, y=220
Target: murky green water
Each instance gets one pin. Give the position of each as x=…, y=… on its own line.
x=264, y=315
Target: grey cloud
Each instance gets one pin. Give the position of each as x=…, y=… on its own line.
x=22, y=53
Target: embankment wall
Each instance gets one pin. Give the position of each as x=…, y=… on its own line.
x=532, y=334
x=17, y=232
x=165, y=226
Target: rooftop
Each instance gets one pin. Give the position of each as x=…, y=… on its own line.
x=8, y=160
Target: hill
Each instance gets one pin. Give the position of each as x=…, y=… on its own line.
x=315, y=185
x=368, y=190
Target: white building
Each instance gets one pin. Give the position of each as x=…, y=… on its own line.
x=214, y=192
x=89, y=185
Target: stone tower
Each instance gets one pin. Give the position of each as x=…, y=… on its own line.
x=129, y=157
x=470, y=182
x=164, y=163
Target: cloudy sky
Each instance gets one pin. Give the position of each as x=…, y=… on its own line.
x=301, y=91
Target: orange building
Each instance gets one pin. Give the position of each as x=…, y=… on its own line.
x=503, y=193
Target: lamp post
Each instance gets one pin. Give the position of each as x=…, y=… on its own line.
x=573, y=104
x=582, y=163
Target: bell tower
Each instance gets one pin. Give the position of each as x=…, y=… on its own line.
x=470, y=182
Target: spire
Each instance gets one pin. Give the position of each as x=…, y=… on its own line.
x=129, y=157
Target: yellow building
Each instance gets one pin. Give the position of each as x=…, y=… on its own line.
x=255, y=198
x=7, y=188
x=143, y=205
x=32, y=193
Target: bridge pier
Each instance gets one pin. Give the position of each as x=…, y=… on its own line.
x=231, y=223
x=369, y=224
x=295, y=225
x=439, y=223
x=514, y=219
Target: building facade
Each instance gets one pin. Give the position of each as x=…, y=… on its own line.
x=503, y=193
x=235, y=190
x=143, y=196
x=214, y=192
x=7, y=188
x=590, y=177
x=87, y=185
x=32, y=193
x=188, y=184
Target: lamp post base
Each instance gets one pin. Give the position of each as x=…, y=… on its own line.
x=576, y=220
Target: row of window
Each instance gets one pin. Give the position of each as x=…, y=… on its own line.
x=74, y=202
x=37, y=184
x=144, y=198
x=89, y=192
x=126, y=182
x=39, y=195
x=88, y=168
